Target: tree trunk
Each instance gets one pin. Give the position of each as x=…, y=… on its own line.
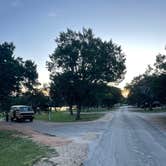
x=78, y=112
x=150, y=107
x=71, y=109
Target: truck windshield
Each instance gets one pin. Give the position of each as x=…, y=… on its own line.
x=25, y=109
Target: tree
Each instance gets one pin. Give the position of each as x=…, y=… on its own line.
x=61, y=91
x=141, y=90
x=150, y=86
x=36, y=100
x=10, y=73
x=113, y=96
x=160, y=64
x=14, y=72
x=88, y=60
x=102, y=95
x=30, y=75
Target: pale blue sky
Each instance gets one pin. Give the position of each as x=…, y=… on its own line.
x=139, y=26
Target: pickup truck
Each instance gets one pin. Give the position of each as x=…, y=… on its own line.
x=21, y=112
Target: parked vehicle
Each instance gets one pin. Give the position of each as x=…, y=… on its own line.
x=21, y=112
x=156, y=104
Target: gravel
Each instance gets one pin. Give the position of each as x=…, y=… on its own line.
x=131, y=139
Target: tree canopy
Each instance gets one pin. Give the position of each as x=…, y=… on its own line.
x=81, y=60
x=87, y=57
x=150, y=86
x=14, y=73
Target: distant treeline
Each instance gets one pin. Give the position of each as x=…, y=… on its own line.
x=149, y=89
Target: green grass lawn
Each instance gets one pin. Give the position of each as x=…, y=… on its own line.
x=100, y=109
x=18, y=151
x=66, y=117
x=1, y=115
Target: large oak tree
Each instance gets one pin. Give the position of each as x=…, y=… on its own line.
x=84, y=60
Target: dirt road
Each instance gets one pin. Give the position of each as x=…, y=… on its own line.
x=120, y=138
x=131, y=139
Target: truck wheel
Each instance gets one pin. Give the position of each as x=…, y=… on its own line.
x=11, y=119
x=31, y=120
x=18, y=120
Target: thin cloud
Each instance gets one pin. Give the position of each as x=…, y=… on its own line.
x=16, y=3
x=52, y=14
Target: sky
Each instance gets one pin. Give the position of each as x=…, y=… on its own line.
x=139, y=26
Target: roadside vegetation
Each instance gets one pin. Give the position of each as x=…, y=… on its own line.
x=1, y=115
x=154, y=110
x=15, y=150
x=64, y=116
x=148, y=90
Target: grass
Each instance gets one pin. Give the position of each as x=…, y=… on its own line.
x=85, y=109
x=1, y=115
x=18, y=151
x=97, y=109
x=65, y=117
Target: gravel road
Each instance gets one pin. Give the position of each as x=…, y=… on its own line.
x=131, y=139
x=120, y=138
x=73, y=131
x=82, y=137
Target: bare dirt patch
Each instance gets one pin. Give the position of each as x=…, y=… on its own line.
x=69, y=153
x=72, y=154
x=36, y=136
